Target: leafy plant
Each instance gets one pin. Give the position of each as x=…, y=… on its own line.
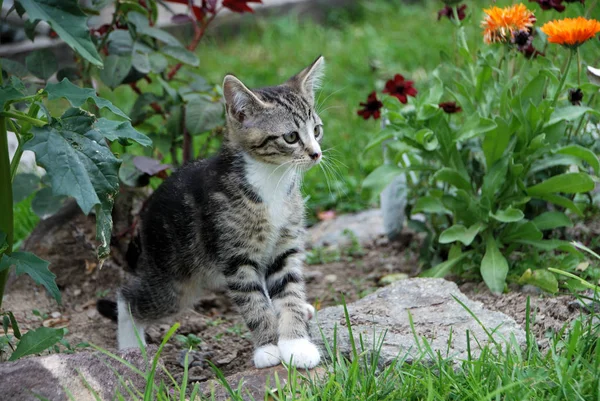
x=500, y=166
x=190, y=341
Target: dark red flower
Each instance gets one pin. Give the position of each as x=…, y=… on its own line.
x=239, y=6
x=450, y=107
x=198, y=13
x=447, y=12
x=522, y=39
x=550, y=4
x=399, y=88
x=371, y=108
x=531, y=52
x=575, y=96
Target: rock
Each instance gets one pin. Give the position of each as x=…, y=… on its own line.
x=256, y=382
x=367, y=226
x=47, y=377
x=330, y=278
x=434, y=312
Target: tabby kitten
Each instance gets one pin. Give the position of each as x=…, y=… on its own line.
x=236, y=220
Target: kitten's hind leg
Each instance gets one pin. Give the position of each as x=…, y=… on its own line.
x=286, y=289
x=126, y=332
x=247, y=290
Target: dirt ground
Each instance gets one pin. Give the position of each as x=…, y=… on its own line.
x=225, y=340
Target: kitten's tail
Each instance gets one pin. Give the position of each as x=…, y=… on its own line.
x=107, y=308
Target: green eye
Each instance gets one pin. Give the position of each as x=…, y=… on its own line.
x=291, y=137
x=318, y=131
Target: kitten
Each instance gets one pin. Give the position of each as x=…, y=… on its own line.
x=235, y=220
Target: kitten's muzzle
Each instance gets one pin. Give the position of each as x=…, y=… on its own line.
x=316, y=156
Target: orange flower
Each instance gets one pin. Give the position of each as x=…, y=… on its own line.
x=501, y=24
x=571, y=32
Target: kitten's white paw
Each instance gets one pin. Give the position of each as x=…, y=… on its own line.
x=300, y=351
x=267, y=355
x=310, y=311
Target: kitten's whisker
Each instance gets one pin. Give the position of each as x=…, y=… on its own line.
x=277, y=168
x=318, y=105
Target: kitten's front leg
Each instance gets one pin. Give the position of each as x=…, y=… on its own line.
x=286, y=289
x=247, y=291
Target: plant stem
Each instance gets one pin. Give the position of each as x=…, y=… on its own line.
x=6, y=202
x=578, y=68
x=455, y=13
x=24, y=117
x=14, y=164
x=561, y=84
x=582, y=119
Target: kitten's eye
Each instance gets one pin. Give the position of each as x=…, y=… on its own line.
x=318, y=131
x=291, y=137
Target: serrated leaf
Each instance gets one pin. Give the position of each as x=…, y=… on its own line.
x=181, y=54
x=115, y=70
x=202, y=115
x=460, y=233
x=582, y=153
x=508, y=215
x=494, y=267
x=569, y=183
x=113, y=130
x=68, y=21
x=552, y=220
x=34, y=267
x=78, y=96
x=8, y=93
x=37, y=341
x=42, y=63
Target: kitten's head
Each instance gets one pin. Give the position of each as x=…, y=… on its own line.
x=278, y=124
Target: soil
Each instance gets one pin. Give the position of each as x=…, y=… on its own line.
x=67, y=241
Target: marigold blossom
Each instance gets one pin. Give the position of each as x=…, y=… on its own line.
x=571, y=32
x=371, y=108
x=400, y=88
x=501, y=24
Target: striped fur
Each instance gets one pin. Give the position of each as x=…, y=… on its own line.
x=236, y=221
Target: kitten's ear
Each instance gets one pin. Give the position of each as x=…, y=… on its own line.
x=308, y=80
x=240, y=101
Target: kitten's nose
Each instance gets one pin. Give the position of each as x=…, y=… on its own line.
x=315, y=156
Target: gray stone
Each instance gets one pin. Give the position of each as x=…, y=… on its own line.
x=50, y=377
x=367, y=226
x=435, y=314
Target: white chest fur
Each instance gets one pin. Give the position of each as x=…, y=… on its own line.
x=272, y=183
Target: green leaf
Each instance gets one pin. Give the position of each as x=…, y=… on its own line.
x=382, y=136
x=552, y=161
x=562, y=201
x=550, y=245
x=442, y=269
x=80, y=164
x=552, y=220
x=113, y=130
x=45, y=203
x=429, y=204
x=475, y=126
x=458, y=232
x=381, y=177
x=143, y=27
x=202, y=115
x=158, y=62
x=427, y=139
x=494, y=178
x=8, y=93
x=452, y=177
x=13, y=67
x=582, y=153
x=37, y=341
x=569, y=183
x=140, y=60
x=569, y=113
x=541, y=278
x=78, y=96
x=496, y=141
x=34, y=267
x=68, y=21
x=494, y=267
x=23, y=185
x=508, y=215
x=116, y=68
x=181, y=54
x=14, y=325
x=521, y=230
x=42, y=63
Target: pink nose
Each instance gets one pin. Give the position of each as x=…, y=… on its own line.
x=315, y=156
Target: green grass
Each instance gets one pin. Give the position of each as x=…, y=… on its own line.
x=568, y=370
